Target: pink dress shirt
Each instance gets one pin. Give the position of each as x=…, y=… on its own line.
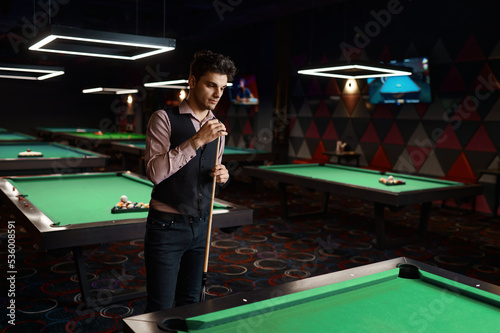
x=161, y=161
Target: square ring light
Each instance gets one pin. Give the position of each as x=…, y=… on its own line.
x=74, y=41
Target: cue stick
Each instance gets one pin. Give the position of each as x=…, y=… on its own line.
x=209, y=230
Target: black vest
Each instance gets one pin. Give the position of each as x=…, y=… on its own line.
x=190, y=188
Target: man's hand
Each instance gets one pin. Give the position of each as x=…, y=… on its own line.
x=221, y=173
x=208, y=133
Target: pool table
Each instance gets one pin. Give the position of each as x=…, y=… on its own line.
x=400, y=87
x=57, y=158
x=397, y=295
x=16, y=137
x=95, y=141
x=74, y=210
x=364, y=184
x=54, y=133
x=233, y=157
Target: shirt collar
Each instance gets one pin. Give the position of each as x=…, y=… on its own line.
x=184, y=108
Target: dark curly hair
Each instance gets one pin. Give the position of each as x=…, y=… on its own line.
x=208, y=61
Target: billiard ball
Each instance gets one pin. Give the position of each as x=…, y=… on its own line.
x=124, y=198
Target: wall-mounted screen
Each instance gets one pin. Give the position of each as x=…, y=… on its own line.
x=415, y=88
x=244, y=90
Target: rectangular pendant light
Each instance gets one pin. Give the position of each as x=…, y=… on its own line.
x=357, y=70
x=28, y=72
x=109, y=91
x=74, y=41
x=172, y=84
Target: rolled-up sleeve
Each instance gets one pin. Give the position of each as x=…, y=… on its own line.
x=161, y=162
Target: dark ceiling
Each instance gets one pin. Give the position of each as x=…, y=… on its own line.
x=186, y=20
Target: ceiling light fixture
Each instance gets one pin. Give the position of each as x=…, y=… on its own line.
x=173, y=84
x=74, y=41
x=27, y=72
x=358, y=70
x=110, y=91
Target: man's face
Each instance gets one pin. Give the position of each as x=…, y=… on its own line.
x=207, y=90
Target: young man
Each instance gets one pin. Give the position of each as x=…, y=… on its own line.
x=180, y=161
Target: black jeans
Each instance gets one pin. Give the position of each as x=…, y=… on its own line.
x=174, y=251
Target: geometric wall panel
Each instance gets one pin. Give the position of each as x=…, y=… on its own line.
x=435, y=111
x=419, y=138
x=297, y=131
x=350, y=101
x=432, y=167
x=494, y=113
x=394, y=136
x=461, y=170
x=479, y=160
x=305, y=111
x=493, y=130
x=439, y=54
x=453, y=82
x=312, y=131
x=349, y=135
x=359, y=125
x=340, y=125
x=418, y=155
x=312, y=145
x=404, y=164
x=340, y=111
x=332, y=88
x=370, y=134
x=446, y=157
x=360, y=111
x=481, y=141
x=382, y=126
x=314, y=104
x=393, y=152
x=380, y=161
x=448, y=139
x=296, y=143
x=330, y=132
x=369, y=150
x=383, y=111
x=470, y=51
x=408, y=111
x=322, y=110
x=406, y=128
x=303, y=152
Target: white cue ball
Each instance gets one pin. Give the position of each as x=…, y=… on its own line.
x=124, y=199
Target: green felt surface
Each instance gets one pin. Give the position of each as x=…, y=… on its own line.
x=12, y=136
x=84, y=198
x=111, y=136
x=49, y=150
x=138, y=144
x=360, y=177
x=67, y=129
x=381, y=302
x=235, y=150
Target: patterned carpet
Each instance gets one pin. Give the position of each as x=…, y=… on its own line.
x=269, y=252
